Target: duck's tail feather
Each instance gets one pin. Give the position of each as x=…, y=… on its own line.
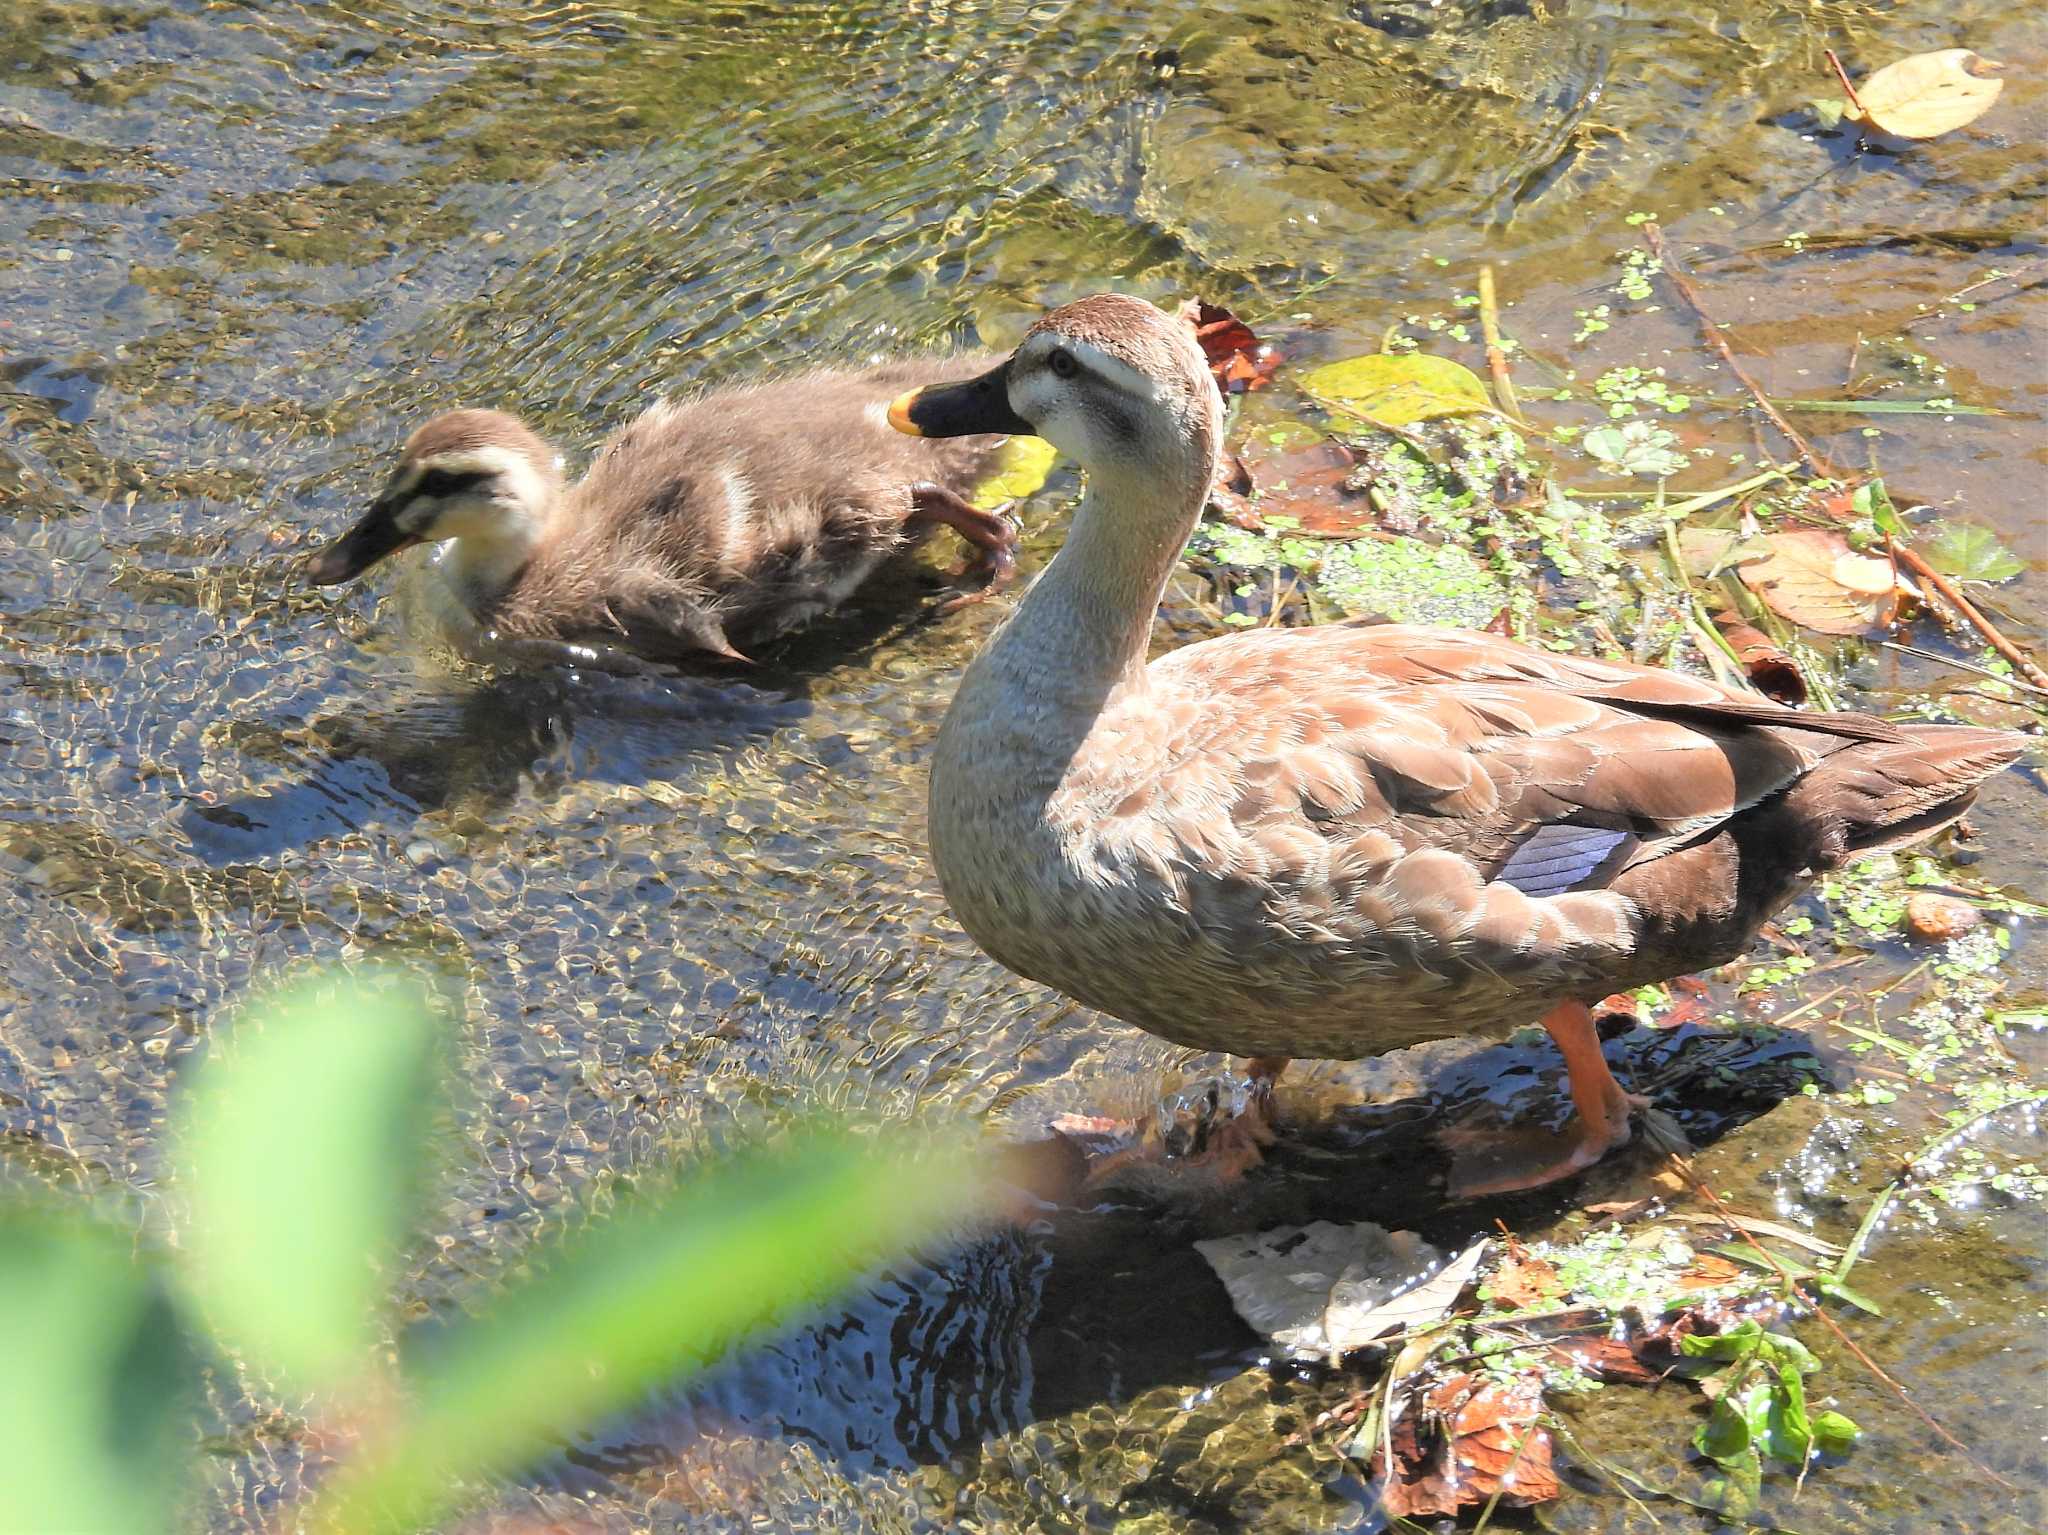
x=1887, y=795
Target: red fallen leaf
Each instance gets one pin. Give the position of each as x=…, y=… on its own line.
x=1683, y=1010
x=1770, y=670
x=1838, y=503
x=1464, y=1441
x=1239, y=361
x=1305, y=487
x=1609, y=1359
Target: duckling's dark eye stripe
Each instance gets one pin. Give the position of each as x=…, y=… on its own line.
x=447, y=482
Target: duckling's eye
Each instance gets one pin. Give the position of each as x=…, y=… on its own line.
x=1062, y=363
x=442, y=483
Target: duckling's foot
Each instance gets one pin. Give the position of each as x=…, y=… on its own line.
x=1499, y=1163
x=1230, y=1145
x=1206, y=1135
x=989, y=533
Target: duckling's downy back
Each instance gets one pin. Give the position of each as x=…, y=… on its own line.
x=733, y=516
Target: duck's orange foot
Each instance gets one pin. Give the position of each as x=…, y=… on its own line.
x=1492, y=1161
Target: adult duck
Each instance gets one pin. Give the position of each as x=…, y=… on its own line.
x=1337, y=841
x=705, y=525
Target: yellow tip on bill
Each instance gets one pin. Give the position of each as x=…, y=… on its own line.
x=899, y=413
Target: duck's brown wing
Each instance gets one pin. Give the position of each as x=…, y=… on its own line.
x=1509, y=806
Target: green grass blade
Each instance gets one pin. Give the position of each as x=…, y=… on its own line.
x=661, y=1288
x=95, y=1426
x=303, y=1141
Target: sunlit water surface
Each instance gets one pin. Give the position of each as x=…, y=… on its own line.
x=243, y=249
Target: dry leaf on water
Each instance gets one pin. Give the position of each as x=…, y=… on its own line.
x=1397, y=389
x=1522, y=1282
x=1464, y=1440
x=1808, y=575
x=1708, y=1271
x=1770, y=671
x=1239, y=361
x=1608, y=1359
x=1304, y=486
x=1929, y=94
x=1324, y=1289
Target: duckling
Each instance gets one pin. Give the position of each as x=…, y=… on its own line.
x=706, y=525
x=1339, y=841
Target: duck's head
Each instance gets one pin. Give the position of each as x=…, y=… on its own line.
x=478, y=475
x=1113, y=382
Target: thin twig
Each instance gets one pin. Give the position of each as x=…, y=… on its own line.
x=1848, y=88
x=1968, y=666
x=1771, y=1258
x=1496, y=355
x=2014, y=657
x=1654, y=238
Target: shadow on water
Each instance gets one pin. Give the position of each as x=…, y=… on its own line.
x=412, y=750
x=1096, y=1305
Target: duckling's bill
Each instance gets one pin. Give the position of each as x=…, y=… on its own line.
x=375, y=537
x=972, y=408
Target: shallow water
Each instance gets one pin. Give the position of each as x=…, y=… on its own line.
x=243, y=249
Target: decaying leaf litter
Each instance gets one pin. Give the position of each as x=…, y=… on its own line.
x=1403, y=487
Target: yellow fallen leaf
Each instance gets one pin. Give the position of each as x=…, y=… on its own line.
x=1929, y=94
x=1397, y=389
x=1020, y=469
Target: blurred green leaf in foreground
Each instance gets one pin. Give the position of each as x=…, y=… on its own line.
x=302, y=1151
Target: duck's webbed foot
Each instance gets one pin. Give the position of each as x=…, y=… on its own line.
x=1499, y=1162
x=989, y=534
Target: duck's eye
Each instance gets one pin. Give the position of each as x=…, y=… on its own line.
x=442, y=483
x=1062, y=363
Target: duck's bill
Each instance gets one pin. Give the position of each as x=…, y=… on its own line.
x=972, y=408
x=362, y=546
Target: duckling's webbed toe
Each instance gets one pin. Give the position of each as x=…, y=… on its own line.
x=990, y=534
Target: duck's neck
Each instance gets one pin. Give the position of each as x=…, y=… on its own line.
x=482, y=563
x=1080, y=634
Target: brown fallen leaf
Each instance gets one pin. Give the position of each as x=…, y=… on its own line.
x=1660, y=1346
x=1230, y=492
x=1464, y=1441
x=1608, y=1359
x=1306, y=486
x=1622, y=1211
x=1238, y=360
x=1296, y=482
x=1808, y=575
x=1929, y=94
x=1708, y=1271
x=1773, y=673
x=1522, y=1281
